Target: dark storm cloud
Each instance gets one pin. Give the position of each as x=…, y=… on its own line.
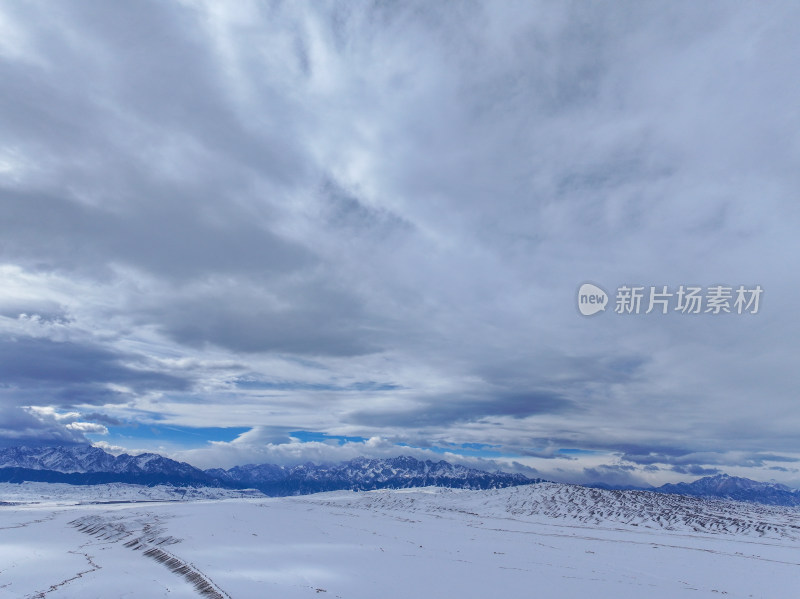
x=170, y=237
x=651, y=454
x=319, y=320
x=684, y=457
x=612, y=474
x=247, y=383
x=447, y=410
x=69, y=373
x=696, y=470
x=572, y=373
x=102, y=419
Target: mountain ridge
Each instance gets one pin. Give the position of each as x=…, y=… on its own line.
x=367, y=474
x=87, y=465
x=91, y=465
x=721, y=486
x=725, y=486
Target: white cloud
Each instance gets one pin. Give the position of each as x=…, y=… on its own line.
x=87, y=427
x=48, y=412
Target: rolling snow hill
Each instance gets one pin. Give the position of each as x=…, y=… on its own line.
x=551, y=540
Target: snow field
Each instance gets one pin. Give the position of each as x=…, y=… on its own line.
x=553, y=541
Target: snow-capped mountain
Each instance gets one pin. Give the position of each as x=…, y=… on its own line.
x=85, y=458
x=83, y=464
x=75, y=458
x=86, y=465
x=734, y=487
x=364, y=474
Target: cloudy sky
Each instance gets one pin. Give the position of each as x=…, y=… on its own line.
x=292, y=231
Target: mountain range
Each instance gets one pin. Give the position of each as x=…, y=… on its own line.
x=87, y=465
x=721, y=486
x=83, y=465
x=735, y=487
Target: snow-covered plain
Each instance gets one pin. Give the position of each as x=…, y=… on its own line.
x=545, y=540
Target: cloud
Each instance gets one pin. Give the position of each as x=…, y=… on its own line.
x=613, y=474
x=696, y=470
x=21, y=427
x=50, y=412
x=199, y=196
x=87, y=427
x=264, y=445
x=69, y=373
x=443, y=410
x=102, y=418
x=110, y=448
x=258, y=320
x=680, y=458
